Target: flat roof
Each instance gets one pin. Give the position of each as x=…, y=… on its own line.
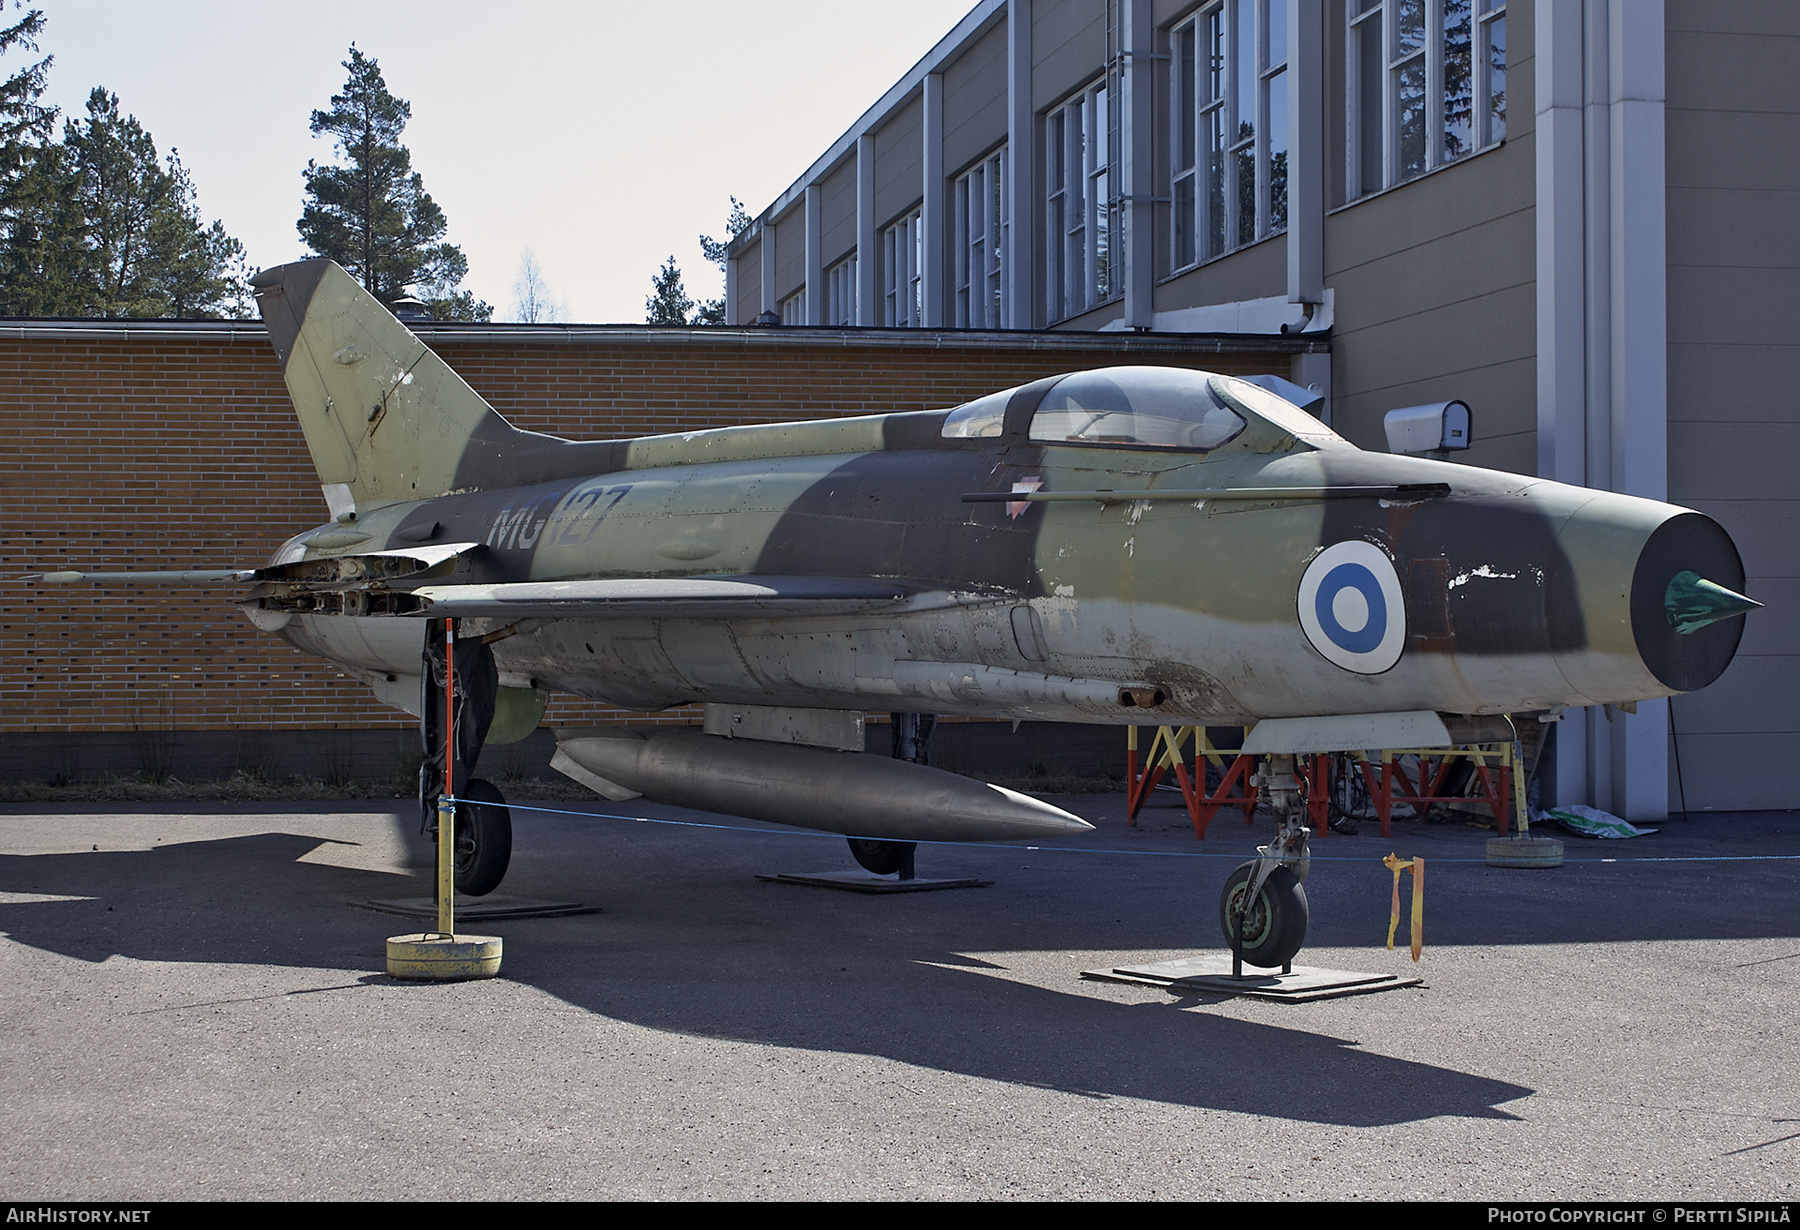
x=846, y=337
x=977, y=22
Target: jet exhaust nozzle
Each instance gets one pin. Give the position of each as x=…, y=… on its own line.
x=1682, y=624
x=838, y=792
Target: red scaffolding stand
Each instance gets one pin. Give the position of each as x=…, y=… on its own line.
x=1315, y=773
x=1496, y=769
x=1498, y=773
x=1168, y=753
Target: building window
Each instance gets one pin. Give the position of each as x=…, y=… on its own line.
x=1426, y=86
x=902, y=257
x=793, y=308
x=1081, y=212
x=840, y=292
x=980, y=244
x=1229, y=130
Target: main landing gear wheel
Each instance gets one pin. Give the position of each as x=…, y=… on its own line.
x=1275, y=927
x=884, y=858
x=483, y=839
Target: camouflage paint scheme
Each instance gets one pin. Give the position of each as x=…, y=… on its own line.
x=877, y=586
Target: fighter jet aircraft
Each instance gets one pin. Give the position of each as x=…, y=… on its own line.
x=1127, y=545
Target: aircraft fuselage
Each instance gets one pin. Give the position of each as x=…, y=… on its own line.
x=1507, y=594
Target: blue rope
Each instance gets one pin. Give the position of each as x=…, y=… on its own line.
x=989, y=845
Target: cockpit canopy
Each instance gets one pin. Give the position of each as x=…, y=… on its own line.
x=1141, y=408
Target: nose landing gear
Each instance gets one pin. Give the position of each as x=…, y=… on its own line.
x=1263, y=909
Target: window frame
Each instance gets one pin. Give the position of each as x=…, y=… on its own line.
x=793, y=308
x=840, y=293
x=979, y=268
x=1079, y=180
x=902, y=271
x=1384, y=21
x=1207, y=84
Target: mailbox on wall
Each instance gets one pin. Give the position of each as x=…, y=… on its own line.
x=1437, y=427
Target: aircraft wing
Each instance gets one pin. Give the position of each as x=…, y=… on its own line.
x=410, y=564
x=387, y=583
x=675, y=597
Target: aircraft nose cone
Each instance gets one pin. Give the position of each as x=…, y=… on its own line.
x=1685, y=589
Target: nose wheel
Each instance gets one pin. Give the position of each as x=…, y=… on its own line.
x=1263, y=909
x=1265, y=925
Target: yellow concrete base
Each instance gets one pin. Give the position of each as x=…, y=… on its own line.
x=432, y=957
x=1524, y=851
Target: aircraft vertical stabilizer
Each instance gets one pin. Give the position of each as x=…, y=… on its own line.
x=385, y=418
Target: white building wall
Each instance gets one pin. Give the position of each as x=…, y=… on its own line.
x=1603, y=332
x=1732, y=124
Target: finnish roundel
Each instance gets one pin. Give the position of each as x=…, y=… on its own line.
x=1351, y=608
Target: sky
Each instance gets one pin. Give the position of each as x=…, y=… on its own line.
x=603, y=137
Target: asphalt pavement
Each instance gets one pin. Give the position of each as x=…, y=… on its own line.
x=196, y=1008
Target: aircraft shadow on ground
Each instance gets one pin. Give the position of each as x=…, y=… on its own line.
x=788, y=984
x=690, y=945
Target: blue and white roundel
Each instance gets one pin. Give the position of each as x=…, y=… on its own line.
x=1351, y=608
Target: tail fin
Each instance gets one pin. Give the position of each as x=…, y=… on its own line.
x=385, y=418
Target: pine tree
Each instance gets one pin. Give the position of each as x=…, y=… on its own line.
x=98, y=226
x=146, y=250
x=202, y=270
x=43, y=257
x=95, y=225
x=25, y=124
x=373, y=215
x=668, y=303
x=38, y=239
x=712, y=311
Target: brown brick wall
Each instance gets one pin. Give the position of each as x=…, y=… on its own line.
x=173, y=447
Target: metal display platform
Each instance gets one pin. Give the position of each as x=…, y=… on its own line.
x=869, y=882
x=478, y=909
x=1211, y=975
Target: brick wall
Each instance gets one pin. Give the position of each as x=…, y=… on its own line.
x=163, y=446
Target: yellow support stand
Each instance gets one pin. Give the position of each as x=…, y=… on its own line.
x=1522, y=849
x=443, y=955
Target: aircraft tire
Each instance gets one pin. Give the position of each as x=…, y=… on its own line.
x=1275, y=928
x=483, y=839
x=882, y=858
